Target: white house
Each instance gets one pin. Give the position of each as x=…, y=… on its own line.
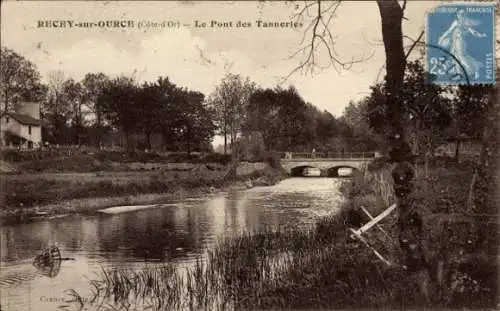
x=22, y=128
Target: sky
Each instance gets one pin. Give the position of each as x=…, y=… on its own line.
x=198, y=58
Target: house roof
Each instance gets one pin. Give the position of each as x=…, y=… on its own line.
x=23, y=118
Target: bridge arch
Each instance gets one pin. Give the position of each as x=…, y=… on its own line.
x=334, y=170
x=298, y=171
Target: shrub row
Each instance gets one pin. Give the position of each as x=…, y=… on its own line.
x=32, y=193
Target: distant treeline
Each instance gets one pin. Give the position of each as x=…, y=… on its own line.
x=164, y=116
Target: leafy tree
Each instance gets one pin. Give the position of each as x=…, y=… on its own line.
x=253, y=146
x=195, y=124
x=263, y=115
x=57, y=109
x=73, y=96
x=57, y=105
x=326, y=128
x=94, y=84
x=118, y=100
x=426, y=108
x=470, y=108
x=154, y=104
x=356, y=128
x=19, y=80
x=287, y=122
x=295, y=123
x=72, y=93
x=229, y=101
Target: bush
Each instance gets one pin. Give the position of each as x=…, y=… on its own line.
x=223, y=159
x=28, y=193
x=378, y=163
x=183, y=158
x=111, y=156
x=11, y=155
x=253, y=147
x=75, y=164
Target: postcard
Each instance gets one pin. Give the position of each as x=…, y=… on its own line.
x=229, y=155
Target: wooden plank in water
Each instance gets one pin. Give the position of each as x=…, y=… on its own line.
x=355, y=233
x=371, y=218
x=375, y=220
x=126, y=208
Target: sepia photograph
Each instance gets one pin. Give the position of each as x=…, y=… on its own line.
x=249, y=155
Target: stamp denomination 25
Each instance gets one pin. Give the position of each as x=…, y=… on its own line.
x=461, y=43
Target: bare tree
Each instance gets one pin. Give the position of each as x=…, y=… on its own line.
x=55, y=104
x=321, y=14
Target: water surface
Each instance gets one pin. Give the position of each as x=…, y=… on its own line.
x=176, y=232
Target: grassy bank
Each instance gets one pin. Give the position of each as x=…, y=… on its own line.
x=24, y=196
x=321, y=267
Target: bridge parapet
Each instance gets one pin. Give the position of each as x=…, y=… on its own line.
x=327, y=155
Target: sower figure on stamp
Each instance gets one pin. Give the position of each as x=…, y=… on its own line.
x=454, y=39
x=460, y=43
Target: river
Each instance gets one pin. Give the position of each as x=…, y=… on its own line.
x=175, y=231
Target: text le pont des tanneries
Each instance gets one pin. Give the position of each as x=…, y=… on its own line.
x=162, y=24
x=246, y=24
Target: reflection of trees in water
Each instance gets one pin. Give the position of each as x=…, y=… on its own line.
x=236, y=217
x=151, y=235
x=293, y=200
x=21, y=242
x=24, y=241
x=66, y=232
x=89, y=234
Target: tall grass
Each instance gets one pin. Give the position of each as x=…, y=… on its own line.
x=271, y=268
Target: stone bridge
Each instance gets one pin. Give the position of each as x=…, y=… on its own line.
x=329, y=164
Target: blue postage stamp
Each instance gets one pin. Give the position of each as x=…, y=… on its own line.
x=460, y=45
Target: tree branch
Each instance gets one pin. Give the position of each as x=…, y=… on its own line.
x=320, y=36
x=403, y=7
x=415, y=42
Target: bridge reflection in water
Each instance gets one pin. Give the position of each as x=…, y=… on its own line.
x=325, y=164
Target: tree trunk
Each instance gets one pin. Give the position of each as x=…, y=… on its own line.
x=188, y=136
x=233, y=166
x=128, y=144
x=98, y=123
x=225, y=128
x=148, y=139
x=5, y=110
x=225, y=143
x=488, y=134
x=79, y=126
x=417, y=148
x=410, y=222
x=6, y=107
x=457, y=150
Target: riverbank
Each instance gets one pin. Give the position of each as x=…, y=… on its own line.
x=29, y=196
x=322, y=267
